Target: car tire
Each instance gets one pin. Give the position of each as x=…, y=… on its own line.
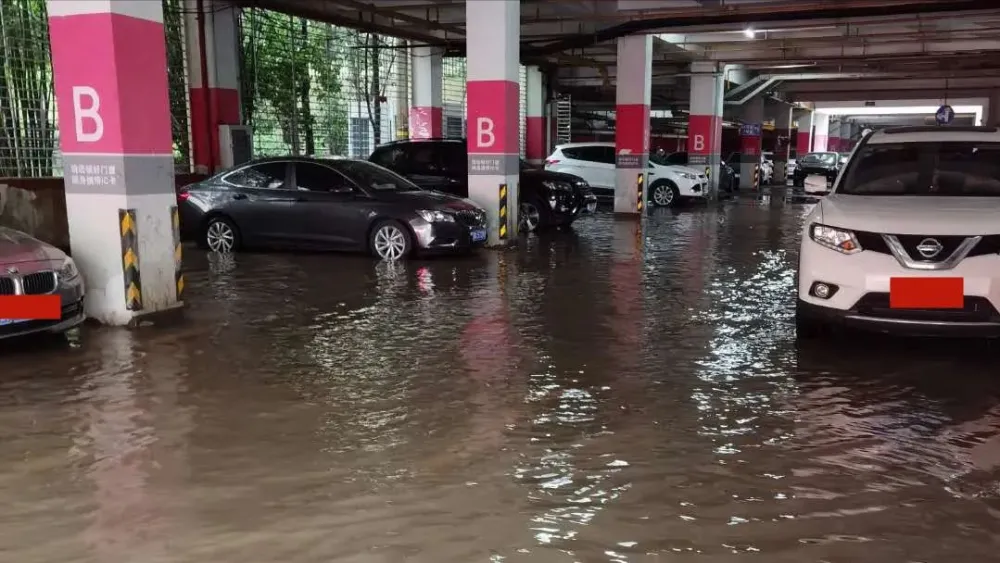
x=664, y=194
x=390, y=241
x=533, y=216
x=220, y=235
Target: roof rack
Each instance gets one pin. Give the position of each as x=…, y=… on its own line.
x=939, y=129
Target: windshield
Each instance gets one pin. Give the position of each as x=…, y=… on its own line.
x=820, y=158
x=372, y=176
x=659, y=159
x=969, y=169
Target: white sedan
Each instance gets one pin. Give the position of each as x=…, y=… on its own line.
x=669, y=184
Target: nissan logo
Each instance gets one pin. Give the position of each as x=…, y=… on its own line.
x=929, y=248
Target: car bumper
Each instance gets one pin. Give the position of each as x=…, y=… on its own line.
x=447, y=237
x=694, y=188
x=861, y=299
x=72, y=315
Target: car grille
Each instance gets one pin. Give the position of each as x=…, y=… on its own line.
x=6, y=286
x=471, y=218
x=974, y=310
x=38, y=283
x=874, y=242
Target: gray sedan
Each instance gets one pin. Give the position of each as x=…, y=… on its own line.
x=30, y=267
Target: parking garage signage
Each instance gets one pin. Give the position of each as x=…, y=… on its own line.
x=945, y=115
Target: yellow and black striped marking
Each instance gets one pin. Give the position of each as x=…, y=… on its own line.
x=175, y=226
x=130, y=259
x=639, y=191
x=503, y=212
x=756, y=176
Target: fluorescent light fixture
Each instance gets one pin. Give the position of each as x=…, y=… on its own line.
x=749, y=32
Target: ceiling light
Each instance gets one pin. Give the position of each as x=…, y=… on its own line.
x=749, y=32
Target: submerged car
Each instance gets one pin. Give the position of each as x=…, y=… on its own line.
x=729, y=179
x=670, y=184
x=547, y=199
x=909, y=240
x=30, y=267
x=327, y=204
x=816, y=172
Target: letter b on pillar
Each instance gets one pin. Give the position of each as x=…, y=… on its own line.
x=485, y=137
x=86, y=110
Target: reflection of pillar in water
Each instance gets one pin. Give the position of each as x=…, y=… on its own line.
x=129, y=455
x=627, y=292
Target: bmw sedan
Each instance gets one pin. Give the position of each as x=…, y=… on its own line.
x=29, y=267
x=327, y=204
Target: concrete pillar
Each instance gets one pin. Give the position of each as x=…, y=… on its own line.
x=846, y=138
x=535, y=127
x=750, y=141
x=833, y=144
x=110, y=67
x=783, y=128
x=821, y=134
x=426, y=114
x=804, y=139
x=991, y=113
x=705, y=120
x=213, y=64
x=633, y=91
x=494, y=112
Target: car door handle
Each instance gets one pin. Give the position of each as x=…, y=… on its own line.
x=239, y=196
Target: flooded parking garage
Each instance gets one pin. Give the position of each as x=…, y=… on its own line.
x=573, y=400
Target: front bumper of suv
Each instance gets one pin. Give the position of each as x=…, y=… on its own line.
x=860, y=296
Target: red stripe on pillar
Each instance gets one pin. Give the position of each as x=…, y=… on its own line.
x=224, y=109
x=802, y=143
x=426, y=122
x=820, y=143
x=632, y=128
x=494, y=112
x=704, y=135
x=534, y=138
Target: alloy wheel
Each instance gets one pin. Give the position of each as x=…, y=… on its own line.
x=663, y=195
x=390, y=242
x=529, y=217
x=220, y=237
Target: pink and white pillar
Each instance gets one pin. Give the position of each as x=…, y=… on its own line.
x=494, y=112
x=705, y=120
x=535, y=121
x=635, y=60
x=213, y=77
x=783, y=141
x=110, y=66
x=821, y=137
x=750, y=141
x=803, y=139
x=426, y=114
x=833, y=143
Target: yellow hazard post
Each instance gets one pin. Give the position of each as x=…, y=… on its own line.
x=756, y=177
x=639, y=182
x=130, y=259
x=175, y=224
x=503, y=212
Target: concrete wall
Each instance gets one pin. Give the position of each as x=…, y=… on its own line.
x=37, y=206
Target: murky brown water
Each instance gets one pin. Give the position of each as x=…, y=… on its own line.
x=571, y=401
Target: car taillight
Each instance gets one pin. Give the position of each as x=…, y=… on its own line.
x=183, y=196
x=551, y=161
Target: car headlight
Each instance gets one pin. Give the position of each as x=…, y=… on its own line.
x=688, y=175
x=435, y=216
x=68, y=271
x=557, y=186
x=833, y=238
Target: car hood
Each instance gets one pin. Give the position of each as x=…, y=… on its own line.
x=915, y=215
x=540, y=175
x=428, y=199
x=17, y=247
x=677, y=168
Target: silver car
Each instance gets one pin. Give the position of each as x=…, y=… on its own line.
x=30, y=267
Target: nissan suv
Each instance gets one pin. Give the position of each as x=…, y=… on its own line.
x=908, y=241
x=547, y=199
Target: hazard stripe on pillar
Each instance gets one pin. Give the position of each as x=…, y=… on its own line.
x=128, y=231
x=503, y=212
x=639, y=182
x=175, y=224
x=756, y=176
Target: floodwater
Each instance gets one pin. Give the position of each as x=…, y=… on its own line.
x=575, y=400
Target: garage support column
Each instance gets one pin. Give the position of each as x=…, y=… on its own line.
x=833, y=144
x=110, y=66
x=426, y=115
x=213, y=77
x=803, y=139
x=846, y=136
x=534, y=121
x=991, y=115
x=494, y=112
x=750, y=141
x=821, y=136
x=783, y=128
x=635, y=59
x=704, y=143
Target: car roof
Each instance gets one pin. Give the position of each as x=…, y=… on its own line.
x=933, y=133
x=429, y=140
x=585, y=144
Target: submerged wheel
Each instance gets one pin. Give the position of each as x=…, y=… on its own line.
x=221, y=235
x=530, y=216
x=390, y=241
x=665, y=194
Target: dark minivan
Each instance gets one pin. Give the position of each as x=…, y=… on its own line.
x=548, y=199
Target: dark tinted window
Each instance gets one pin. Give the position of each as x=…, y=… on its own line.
x=318, y=178
x=935, y=169
x=454, y=159
x=392, y=157
x=267, y=175
x=820, y=159
x=423, y=158
x=676, y=158
x=594, y=153
x=372, y=177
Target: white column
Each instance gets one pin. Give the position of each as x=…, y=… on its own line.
x=635, y=59
x=704, y=145
x=493, y=94
x=536, y=123
x=821, y=138
x=750, y=141
x=804, y=139
x=426, y=114
x=845, y=136
x=783, y=128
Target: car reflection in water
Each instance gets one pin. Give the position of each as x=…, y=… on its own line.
x=327, y=204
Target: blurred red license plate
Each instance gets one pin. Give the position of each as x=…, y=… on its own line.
x=926, y=293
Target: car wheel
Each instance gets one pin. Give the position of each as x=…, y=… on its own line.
x=221, y=235
x=390, y=241
x=665, y=194
x=531, y=216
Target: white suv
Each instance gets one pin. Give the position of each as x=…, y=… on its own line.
x=595, y=163
x=908, y=241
